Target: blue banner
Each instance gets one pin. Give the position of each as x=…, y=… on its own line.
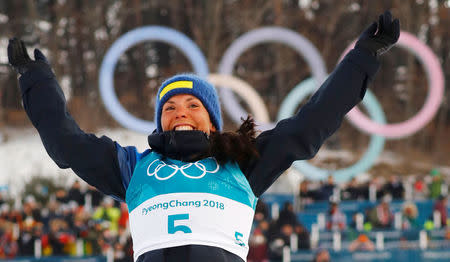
x=391, y=255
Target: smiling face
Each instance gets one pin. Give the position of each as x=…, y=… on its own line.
x=185, y=112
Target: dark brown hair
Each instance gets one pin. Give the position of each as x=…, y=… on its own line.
x=236, y=146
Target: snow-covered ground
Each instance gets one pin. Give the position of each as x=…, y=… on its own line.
x=22, y=156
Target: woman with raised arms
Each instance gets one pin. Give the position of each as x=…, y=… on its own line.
x=191, y=196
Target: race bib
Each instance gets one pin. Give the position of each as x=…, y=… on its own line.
x=191, y=218
x=174, y=203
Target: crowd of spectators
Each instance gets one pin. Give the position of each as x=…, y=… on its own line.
x=270, y=236
x=64, y=223
x=83, y=218
x=102, y=226
x=429, y=187
x=379, y=216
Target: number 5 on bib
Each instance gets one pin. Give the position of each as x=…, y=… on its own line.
x=239, y=241
x=172, y=229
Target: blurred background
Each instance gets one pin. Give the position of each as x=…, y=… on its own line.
x=395, y=210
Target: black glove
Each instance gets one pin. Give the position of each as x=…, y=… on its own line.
x=20, y=60
x=379, y=42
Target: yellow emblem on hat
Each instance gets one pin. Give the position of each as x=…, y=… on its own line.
x=175, y=85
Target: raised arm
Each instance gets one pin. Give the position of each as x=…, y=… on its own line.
x=300, y=137
x=93, y=159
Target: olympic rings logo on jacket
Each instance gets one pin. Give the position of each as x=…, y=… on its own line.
x=197, y=167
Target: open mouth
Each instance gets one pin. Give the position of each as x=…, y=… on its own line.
x=183, y=128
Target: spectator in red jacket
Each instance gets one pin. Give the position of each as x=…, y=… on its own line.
x=8, y=245
x=123, y=219
x=258, y=247
x=441, y=206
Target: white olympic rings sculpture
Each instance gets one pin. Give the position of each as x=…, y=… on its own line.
x=305, y=48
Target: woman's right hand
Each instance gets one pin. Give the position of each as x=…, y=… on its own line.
x=20, y=60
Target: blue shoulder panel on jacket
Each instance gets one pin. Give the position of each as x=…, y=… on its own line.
x=127, y=158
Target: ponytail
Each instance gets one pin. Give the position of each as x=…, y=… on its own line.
x=236, y=146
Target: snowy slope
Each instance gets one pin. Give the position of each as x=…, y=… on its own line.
x=22, y=155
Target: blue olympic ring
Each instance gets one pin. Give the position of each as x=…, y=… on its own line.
x=136, y=36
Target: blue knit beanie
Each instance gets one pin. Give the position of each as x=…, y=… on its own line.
x=192, y=85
